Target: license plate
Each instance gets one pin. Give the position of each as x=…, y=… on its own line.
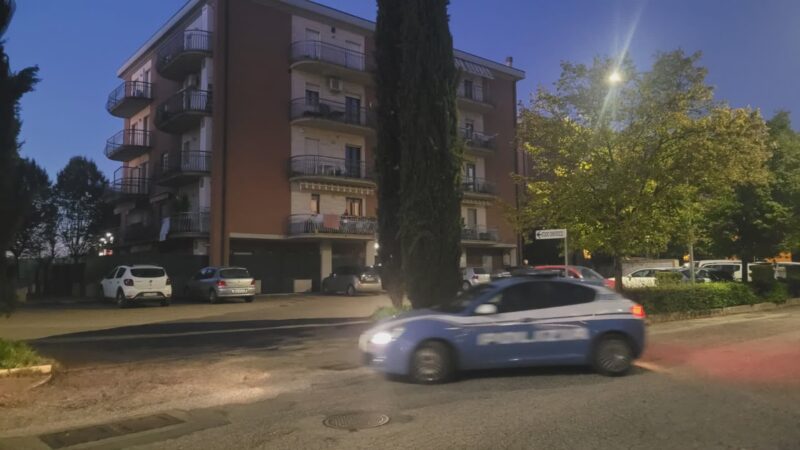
x=239, y=291
x=149, y=294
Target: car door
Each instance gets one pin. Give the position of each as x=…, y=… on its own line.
x=192, y=288
x=505, y=339
x=117, y=281
x=107, y=284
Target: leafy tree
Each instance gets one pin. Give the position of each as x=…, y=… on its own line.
x=34, y=183
x=762, y=219
x=621, y=162
x=430, y=208
x=13, y=208
x=79, y=193
x=388, y=54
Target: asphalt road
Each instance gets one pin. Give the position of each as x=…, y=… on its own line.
x=726, y=382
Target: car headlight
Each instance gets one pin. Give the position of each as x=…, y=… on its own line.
x=384, y=337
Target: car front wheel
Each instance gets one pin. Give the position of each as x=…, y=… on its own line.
x=613, y=356
x=432, y=363
x=213, y=297
x=351, y=291
x=121, y=301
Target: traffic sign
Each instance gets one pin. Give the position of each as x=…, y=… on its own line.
x=551, y=234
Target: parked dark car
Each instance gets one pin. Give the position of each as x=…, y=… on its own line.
x=215, y=283
x=352, y=280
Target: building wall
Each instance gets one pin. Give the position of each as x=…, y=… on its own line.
x=330, y=143
x=302, y=80
x=329, y=33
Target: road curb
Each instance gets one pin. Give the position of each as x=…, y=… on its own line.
x=43, y=369
x=730, y=310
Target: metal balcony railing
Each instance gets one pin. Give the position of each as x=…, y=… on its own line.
x=300, y=224
x=476, y=93
x=330, y=53
x=190, y=222
x=479, y=233
x=129, y=90
x=304, y=108
x=186, y=101
x=477, y=185
x=184, y=161
x=130, y=186
x=312, y=165
x=475, y=139
x=130, y=137
x=196, y=41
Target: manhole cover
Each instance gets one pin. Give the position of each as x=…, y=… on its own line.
x=356, y=421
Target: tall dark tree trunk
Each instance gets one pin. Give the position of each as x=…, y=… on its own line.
x=430, y=212
x=618, y=273
x=388, y=59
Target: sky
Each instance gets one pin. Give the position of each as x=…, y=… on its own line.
x=751, y=48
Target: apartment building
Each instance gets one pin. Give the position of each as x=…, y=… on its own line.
x=249, y=136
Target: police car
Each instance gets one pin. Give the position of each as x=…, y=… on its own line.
x=512, y=322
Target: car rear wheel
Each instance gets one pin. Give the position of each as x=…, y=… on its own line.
x=613, y=356
x=351, y=291
x=213, y=297
x=121, y=301
x=432, y=363
x=165, y=302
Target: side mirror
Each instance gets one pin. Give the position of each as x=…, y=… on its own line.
x=333, y=275
x=486, y=309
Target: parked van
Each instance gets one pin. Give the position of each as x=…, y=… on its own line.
x=732, y=267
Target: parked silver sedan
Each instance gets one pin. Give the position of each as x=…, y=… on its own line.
x=352, y=280
x=215, y=283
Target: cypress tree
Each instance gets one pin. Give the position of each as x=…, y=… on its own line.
x=387, y=154
x=430, y=201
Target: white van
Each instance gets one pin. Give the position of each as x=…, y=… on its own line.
x=723, y=265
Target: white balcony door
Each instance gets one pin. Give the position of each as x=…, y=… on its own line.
x=313, y=46
x=354, y=57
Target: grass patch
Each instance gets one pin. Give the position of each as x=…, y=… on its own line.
x=17, y=354
x=384, y=312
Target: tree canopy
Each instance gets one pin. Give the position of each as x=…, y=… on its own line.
x=79, y=191
x=621, y=162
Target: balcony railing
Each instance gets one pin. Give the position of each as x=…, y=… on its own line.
x=181, y=166
x=189, y=222
x=183, y=110
x=128, y=144
x=323, y=166
x=477, y=140
x=128, y=98
x=476, y=93
x=479, y=233
x=303, y=108
x=183, y=53
x=333, y=54
x=477, y=185
x=307, y=224
x=130, y=187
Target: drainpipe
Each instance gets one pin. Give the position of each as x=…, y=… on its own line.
x=223, y=254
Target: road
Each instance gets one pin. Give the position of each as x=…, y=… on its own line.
x=271, y=378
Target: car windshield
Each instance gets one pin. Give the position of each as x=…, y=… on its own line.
x=147, y=272
x=464, y=299
x=234, y=273
x=590, y=274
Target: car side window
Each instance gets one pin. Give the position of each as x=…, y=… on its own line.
x=120, y=272
x=209, y=274
x=566, y=294
x=514, y=298
x=112, y=273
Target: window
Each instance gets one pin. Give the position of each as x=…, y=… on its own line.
x=148, y=272
x=472, y=218
x=469, y=176
x=566, y=294
x=354, y=207
x=314, y=206
x=164, y=162
x=111, y=274
x=234, y=273
x=469, y=128
x=120, y=272
x=312, y=97
x=352, y=161
x=514, y=298
x=352, y=110
x=468, y=89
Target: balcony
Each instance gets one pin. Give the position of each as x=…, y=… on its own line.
x=331, y=60
x=332, y=116
x=333, y=170
x=129, y=98
x=183, y=111
x=128, y=144
x=475, y=142
x=189, y=224
x=183, y=54
x=474, y=97
x=129, y=189
x=478, y=188
x=181, y=167
x=332, y=226
x=478, y=234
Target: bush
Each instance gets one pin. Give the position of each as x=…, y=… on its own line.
x=687, y=297
x=777, y=293
x=665, y=278
x=17, y=354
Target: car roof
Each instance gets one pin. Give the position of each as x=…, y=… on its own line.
x=507, y=282
x=143, y=266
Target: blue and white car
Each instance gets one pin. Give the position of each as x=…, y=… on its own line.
x=512, y=322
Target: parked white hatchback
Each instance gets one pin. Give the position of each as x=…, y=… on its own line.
x=129, y=285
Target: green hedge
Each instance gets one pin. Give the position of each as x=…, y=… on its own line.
x=685, y=297
x=665, y=278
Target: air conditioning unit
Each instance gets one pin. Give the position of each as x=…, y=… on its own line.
x=335, y=84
